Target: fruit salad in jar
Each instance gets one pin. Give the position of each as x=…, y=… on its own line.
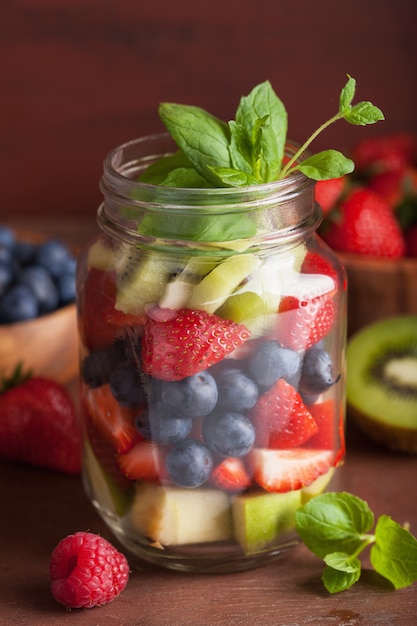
x=212, y=332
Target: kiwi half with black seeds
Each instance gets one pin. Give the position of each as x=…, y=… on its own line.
x=382, y=381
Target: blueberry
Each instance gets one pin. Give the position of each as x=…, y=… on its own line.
x=18, y=304
x=194, y=396
x=317, y=372
x=66, y=288
x=54, y=256
x=228, y=434
x=97, y=366
x=24, y=252
x=236, y=390
x=271, y=362
x=189, y=463
x=6, y=276
x=161, y=426
x=39, y=280
x=7, y=237
x=126, y=385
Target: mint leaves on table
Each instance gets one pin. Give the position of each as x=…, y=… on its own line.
x=250, y=149
x=337, y=528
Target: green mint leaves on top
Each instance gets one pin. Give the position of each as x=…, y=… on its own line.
x=250, y=149
x=337, y=528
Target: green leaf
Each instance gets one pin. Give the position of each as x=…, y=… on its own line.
x=234, y=178
x=202, y=136
x=160, y=169
x=363, y=113
x=325, y=165
x=336, y=580
x=346, y=95
x=186, y=178
x=394, y=554
x=334, y=522
x=343, y=562
x=263, y=105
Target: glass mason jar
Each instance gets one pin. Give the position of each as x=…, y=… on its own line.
x=212, y=336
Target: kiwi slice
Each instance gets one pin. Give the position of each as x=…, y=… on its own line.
x=222, y=281
x=382, y=381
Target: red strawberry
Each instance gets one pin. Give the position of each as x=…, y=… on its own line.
x=231, y=475
x=281, y=418
x=396, y=187
x=330, y=435
x=287, y=470
x=384, y=153
x=99, y=322
x=315, y=263
x=38, y=425
x=302, y=323
x=366, y=225
x=328, y=192
x=107, y=419
x=145, y=461
x=188, y=343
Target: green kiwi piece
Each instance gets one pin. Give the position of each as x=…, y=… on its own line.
x=141, y=278
x=382, y=381
x=222, y=281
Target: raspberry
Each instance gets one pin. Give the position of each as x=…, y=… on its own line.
x=87, y=571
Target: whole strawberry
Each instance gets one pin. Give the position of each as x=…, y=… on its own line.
x=38, y=425
x=385, y=153
x=328, y=192
x=365, y=224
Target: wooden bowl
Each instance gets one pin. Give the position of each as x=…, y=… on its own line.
x=47, y=345
x=379, y=288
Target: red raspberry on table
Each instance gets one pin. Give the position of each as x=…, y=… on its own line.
x=87, y=571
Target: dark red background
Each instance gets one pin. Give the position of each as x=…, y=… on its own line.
x=81, y=76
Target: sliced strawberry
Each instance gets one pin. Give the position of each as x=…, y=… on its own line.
x=287, y=470
x=188, y=343
x=99, y=322
x=145, y=461
x=281, y=418
x=331, y=431
x=315, y=263
x=231, y=475
x=105, y=417
x=302, y=323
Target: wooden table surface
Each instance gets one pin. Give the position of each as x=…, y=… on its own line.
x=39, y=508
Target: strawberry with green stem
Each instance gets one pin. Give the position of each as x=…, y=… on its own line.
x=38, y=423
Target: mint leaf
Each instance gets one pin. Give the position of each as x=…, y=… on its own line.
x=346, y=95
x=334, y=522
x=234, y=178
x=202, y=136
x=263, y=117
x=363, y=113
x=174, y=170
x=325, y=165
x=336, y=580
x=394, y=554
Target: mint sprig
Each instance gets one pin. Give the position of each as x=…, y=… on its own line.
x=337, y=528
x=250, y=149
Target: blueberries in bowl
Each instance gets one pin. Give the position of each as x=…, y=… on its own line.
x=35, y=278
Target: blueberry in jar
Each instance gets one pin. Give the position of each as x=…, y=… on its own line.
x=193, y=396
x=228, y=434
x=189, y=463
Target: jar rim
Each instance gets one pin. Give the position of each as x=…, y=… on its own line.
x=116, y=168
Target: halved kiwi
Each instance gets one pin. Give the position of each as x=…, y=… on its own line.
x=382, y=381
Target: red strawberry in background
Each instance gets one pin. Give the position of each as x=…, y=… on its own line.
x=364, y=224
x=384, y=153
x=39, y=426
x=188, y=343
x=328, y=192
